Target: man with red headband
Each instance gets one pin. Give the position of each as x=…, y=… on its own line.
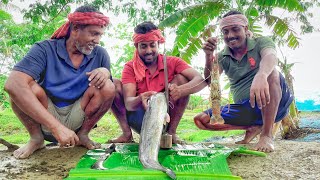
x=63, y=86
x=144, y=76
x=259, y=90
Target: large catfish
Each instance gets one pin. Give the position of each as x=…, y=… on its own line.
x=151, y=132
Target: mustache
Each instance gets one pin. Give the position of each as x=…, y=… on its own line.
x=230, y=39
x=152, y=54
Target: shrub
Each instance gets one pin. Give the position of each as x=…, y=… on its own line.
x=4, y=97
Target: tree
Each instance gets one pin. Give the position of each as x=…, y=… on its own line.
x=124, y=47
x=18, y=38
x=194, y=22
x=290, y=123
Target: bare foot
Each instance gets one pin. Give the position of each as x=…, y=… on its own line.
x=121, y=139
x=205, y=124
x=177, y=140
x=251, y=133
x=29, y=148
x=265, y=144
x=85, y=141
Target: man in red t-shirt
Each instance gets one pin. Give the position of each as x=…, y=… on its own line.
x=143, y=76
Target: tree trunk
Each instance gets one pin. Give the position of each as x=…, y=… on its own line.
x=288, y=127
x=290, y=123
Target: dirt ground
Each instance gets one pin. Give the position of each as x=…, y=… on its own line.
x=291, y=160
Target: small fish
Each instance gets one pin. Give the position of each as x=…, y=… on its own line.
x=151, y=132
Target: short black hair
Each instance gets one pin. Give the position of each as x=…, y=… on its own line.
x=87, y=8
x=145, y=27
x=232, y=12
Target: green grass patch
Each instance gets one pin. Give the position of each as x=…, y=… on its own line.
x=188, y=131
x=201, y=135
x=107, y=128
x=13, y=131
x=11, y=128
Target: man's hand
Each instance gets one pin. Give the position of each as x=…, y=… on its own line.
x=98, y=77
x=259, y=91
x=210, y=45
x=144, y=98
x=175, y=92
x=65, y=136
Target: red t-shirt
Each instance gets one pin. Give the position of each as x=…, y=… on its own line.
x=154, y=82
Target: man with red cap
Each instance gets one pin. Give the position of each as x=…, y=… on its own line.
x=259, y=91
x=62, y=87
x=144, y=76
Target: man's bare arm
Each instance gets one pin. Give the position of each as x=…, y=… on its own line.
x=18, y=87
x=259, y=90
x=195, y=84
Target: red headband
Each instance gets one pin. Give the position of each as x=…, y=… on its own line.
x=154, y=35
x=83, y=18
x=138, y=66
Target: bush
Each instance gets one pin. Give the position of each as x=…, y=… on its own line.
x=4, y=97
x=197, y=102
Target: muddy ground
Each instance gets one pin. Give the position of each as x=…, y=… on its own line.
x=291, y=160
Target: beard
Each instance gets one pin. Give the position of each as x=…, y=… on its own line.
x=149, y=62
x=84, y=49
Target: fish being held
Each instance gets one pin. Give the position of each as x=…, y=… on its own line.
x=151, y=132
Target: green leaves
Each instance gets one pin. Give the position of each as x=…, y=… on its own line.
x=191, y=22
x=290, y=5
x=281, y=28
x=42, y=13
x=4, y=16
x=5, y=1
x=188, y=29
x=252, y=12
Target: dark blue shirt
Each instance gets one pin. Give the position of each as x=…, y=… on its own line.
x=49, y=64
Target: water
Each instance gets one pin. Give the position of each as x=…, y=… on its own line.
x=309, y=123
x=313, y=124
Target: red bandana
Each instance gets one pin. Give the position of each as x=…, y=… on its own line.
x=83, y=18
x=138, y=66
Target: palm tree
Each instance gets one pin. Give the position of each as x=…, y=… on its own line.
x=194, y=22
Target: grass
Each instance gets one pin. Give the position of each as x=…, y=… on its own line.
x=12, y=130
x=189, y=132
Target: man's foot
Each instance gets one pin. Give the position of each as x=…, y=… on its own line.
x=177, y=140
x=265, y=144
x=29, y=148
x=251, y=133
x=121, y=139
x=204, y=123
x=85, y=141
